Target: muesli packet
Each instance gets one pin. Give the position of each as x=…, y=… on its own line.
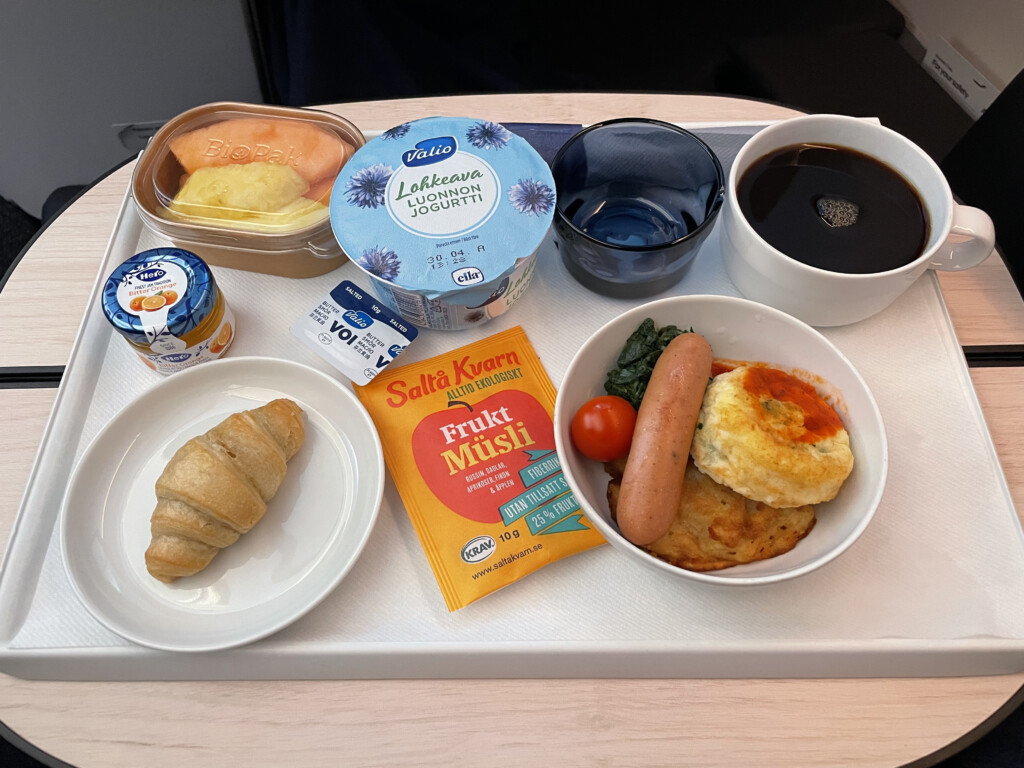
x=469, y=440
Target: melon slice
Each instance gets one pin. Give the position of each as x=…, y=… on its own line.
x=312, y=151
x=321, y=191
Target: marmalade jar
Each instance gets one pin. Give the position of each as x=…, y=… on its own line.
x=166, y=304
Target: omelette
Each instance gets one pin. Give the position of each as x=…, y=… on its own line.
x=772, y=438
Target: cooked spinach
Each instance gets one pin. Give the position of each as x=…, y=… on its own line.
x=636, y=360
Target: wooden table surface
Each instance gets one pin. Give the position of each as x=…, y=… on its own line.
x=708, y=723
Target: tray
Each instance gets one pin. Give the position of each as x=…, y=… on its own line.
x=931, y=589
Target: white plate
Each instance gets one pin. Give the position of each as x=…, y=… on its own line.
x=311, y=535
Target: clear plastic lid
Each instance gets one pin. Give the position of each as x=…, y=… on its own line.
x=244, y=168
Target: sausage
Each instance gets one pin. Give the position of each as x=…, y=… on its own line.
x=652, y=483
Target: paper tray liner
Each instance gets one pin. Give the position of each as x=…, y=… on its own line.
x=931, y=588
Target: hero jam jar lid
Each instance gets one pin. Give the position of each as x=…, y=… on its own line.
x=159, y=292
x=443, y=207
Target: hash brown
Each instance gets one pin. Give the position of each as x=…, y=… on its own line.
x=716, y=528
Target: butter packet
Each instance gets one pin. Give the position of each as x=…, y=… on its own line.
x=353, y=332
x=469, y=440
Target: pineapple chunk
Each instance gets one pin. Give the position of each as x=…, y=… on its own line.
x=239, y=192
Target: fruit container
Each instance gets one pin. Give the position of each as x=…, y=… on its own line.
x=247, y=186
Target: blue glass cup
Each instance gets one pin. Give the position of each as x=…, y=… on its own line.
x=635, y=200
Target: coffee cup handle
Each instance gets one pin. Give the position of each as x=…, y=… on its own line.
x=970, y=241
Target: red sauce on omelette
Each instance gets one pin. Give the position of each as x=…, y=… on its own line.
x=820, y=419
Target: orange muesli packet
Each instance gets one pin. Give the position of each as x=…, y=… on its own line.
x=469, y=441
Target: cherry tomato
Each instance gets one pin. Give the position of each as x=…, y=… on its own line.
x=602, y=428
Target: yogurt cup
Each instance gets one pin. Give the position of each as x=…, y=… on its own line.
x=445, y=214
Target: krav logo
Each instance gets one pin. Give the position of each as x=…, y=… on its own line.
x=478, y=549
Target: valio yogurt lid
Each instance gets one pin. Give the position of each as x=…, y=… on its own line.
x=440, y=205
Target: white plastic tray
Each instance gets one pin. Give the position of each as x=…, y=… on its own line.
x=932, y=588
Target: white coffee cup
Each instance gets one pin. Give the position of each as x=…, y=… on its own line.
x=959, y=236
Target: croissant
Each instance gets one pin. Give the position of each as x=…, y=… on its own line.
x=216, y=487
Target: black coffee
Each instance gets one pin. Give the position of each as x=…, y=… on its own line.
x=834, y=208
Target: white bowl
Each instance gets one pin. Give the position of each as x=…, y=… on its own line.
x=737, y=329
